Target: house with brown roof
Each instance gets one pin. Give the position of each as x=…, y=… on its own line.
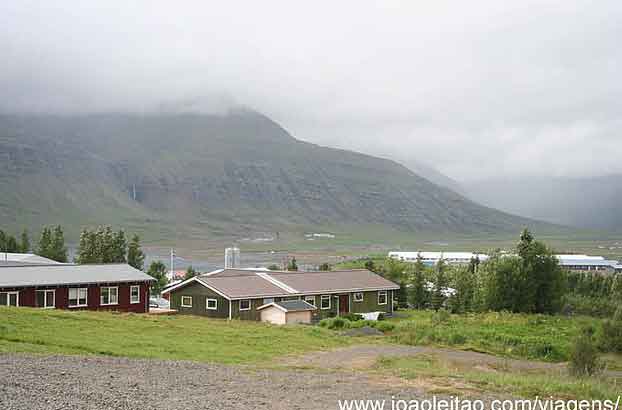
x=243, y=293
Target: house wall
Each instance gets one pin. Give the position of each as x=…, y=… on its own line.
x=370, y=303
x=273, y=315
x=298, y=317
x=199, y=294
x=27, y=297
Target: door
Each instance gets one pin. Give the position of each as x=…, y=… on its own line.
x=344, y=304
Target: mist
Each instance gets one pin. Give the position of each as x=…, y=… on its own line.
x=476, y=90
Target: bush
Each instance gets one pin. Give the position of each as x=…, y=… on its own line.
x=352, y=317
x=441, y=316
x=611, y=337
x=335, y=323
x=384, y=327
x=584, y=357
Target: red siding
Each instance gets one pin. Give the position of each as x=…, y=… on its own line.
x=27, y=297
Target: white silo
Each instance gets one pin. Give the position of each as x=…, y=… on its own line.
x=232, y=258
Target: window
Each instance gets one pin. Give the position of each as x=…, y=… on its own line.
x=109, y=296
x=310, y=300
x=9, y=298
x=358, y=297
x=45, y=299
x=268, y=300
x=186, y=301
x=77, y=297
x=245, y=304
x=211, y=304
x=325, y=302
x=135, y=294
x=382, y=297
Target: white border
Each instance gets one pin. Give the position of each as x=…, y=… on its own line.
x=78, y=298
x=138, y=301
x=208, y=300
x=45, y=291
x=182, y=301
x=100, y=295
x=354, y=298
x=250, y=304
x=13, y=292
x=386, y=297
x=329, y=302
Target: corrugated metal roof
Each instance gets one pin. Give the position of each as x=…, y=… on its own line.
x=60, y=274
x=586, y=262
x=243, y=285
x=25, y=258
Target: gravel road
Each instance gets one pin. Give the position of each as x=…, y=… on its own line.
x=72, y=382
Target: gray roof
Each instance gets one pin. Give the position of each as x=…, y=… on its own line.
x=293, y=305
x=249, y=283
x=586, y=262
x=49, y=275
x=8, y=258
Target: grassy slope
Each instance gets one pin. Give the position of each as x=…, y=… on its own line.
x=537, y=337
x=162, y=337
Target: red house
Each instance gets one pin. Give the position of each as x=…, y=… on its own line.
x=63, y=286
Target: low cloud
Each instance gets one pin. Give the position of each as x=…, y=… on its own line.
x=476, y=89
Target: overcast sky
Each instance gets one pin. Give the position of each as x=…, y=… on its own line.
x=475, y=89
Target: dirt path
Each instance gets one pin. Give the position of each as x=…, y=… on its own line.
x=72, y=382
x=365, y=356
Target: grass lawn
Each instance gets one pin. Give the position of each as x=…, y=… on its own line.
x=539, y=337
x=444, y=377
x=163, y=337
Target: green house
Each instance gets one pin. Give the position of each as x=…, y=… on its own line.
x=239, y=293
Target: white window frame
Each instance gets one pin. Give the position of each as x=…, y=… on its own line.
x=325, y=297
x=86, y=297
x=8, y=298
x=132, y=301
x=268, y=301
x=208, y=300
x=185, y=304
x=249, y=304
x=386, y=297
x=357, y=297
x=45, y=298
x=312, y=298
x=101, y=295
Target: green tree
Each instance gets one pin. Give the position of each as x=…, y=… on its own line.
x=119, y=247
x=324, y=267
x=419, y=294
x=58, y=248
x=190, y=273
x=24, y=246
x=273, y=267
x=44, y=246
x=464, y=284
x=135, y=255
x=292, y=265
x=2, y=240
x=157, y=270
x=441, y=283
x=370, y=265
x=11, y=244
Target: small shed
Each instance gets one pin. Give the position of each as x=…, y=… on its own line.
x=286, y=312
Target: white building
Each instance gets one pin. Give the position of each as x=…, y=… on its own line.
x=585, y=263
x=232, y=258
x=432, y=258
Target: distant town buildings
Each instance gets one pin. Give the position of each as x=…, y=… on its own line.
x=432, y=258
x=571, y=262
x=232, y=258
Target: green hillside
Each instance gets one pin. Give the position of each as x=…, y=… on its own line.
x=211, y=175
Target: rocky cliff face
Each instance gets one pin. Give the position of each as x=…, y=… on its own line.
x=240, y=168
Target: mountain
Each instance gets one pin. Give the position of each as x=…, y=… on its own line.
x=195, y=174
x=581, y=202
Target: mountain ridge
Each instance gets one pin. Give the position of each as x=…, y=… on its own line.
x=236, y=169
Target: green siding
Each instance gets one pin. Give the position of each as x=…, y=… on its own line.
x=370, y=303
x=199, y=294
